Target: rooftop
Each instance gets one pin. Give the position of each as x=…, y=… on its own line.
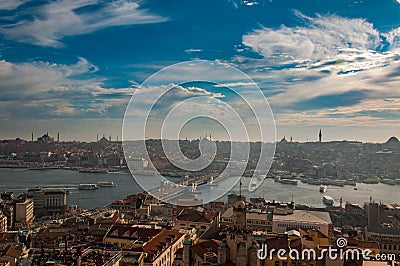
x=305, y=216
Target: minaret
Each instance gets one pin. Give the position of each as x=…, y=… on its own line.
x=320, y=135
x=58, y=137
x=32, y=136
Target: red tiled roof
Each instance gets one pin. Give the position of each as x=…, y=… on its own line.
x=203, y=247
x=7, y=237
x=283, y=243
x=194, y=215
x=13, y=251
x=47, y=233
x=130, y=232
x=157, y=245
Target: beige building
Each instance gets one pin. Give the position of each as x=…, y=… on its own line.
x=161, y=250
x=388, y=238
x=255, y=220
x=48, y=201
x=24, y=212
x=199, y=218
x=303, y=219
x=3, y=222
x=238, y=247
x=123, y=235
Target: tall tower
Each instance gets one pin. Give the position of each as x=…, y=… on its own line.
x=238, y=238
x=320, y=135
x=32, y=136
x=58, y=137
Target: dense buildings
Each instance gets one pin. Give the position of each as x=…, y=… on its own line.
x=39, y=227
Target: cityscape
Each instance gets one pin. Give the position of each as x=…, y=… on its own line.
x=40, y=227
x=199, y=133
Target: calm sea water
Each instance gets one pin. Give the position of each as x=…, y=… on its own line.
x=19, y=180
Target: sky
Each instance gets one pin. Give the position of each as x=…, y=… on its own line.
x=72, y=66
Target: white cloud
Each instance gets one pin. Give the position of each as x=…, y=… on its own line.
x=44, y=89
x=193, y=50
x=11, y=4
x=322, y=37
x=57, y=19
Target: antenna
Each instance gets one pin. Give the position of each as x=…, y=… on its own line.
x=240, y=188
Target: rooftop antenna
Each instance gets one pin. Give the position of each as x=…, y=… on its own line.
x=240, y=188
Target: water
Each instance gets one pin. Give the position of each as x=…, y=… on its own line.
x=19, y=180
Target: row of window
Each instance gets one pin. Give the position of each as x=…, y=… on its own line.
x=301, y=226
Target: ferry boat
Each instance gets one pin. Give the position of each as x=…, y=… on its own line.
x=288, y=181
x=106, y=184
x=323, y=189
x=93, y=171
x=328, y=200
x=211, y=183
x=88, y=186
x=388, y=181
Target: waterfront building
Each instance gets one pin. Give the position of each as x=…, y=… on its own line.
x=48, y=201
x=24, y=212
x=303, y=219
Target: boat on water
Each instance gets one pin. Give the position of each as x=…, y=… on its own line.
x=328, y=200
x=323, y=189
x=351, y=182
x=106, y=184
x=93, y=171
x=87, y=186
x=388, y=181
x=43, y=168
x=261, y=177
x=338, y=183
x=253, y=184
x=288, y=181
x=212, y=183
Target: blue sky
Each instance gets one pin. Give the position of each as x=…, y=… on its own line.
x=72, y=66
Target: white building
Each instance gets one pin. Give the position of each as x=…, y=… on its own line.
x=303, y=219
x=24, y=212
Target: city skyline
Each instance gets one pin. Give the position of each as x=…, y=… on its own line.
x=72, y=66
x=95, y=138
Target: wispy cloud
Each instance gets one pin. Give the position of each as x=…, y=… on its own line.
x=321, y=37
x=46, y=90
x=331, y=71
x=52, y=21
x=11, y=4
